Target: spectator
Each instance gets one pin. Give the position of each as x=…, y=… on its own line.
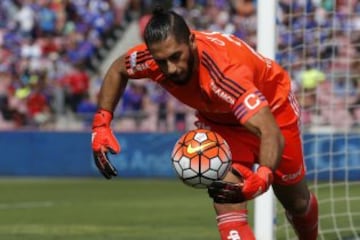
x=52, y=37
x=134, y=107
x=86, y=109
x=25, y=17
x=38, y=108
x=76, y=84
x=133, y=101
x=46, y=18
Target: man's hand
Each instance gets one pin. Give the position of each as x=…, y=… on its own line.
x=255, y=183
x=104, y=141
x=252, y=186
x=226, y=192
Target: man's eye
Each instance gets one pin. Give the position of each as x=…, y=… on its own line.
x=161, y=62
x=175, y=57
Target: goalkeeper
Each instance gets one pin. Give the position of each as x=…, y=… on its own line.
x=238, y=93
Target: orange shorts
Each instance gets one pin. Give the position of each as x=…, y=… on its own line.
x=245, y=150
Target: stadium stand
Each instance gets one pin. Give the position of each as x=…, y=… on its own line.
x=323, y=36
x=49, y=51
x=49, y=60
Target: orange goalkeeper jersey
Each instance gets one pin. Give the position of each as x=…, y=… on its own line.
x=233, y=81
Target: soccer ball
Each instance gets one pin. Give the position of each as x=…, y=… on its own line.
x=200, y=157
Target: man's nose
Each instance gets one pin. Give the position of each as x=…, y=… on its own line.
x=171, y=67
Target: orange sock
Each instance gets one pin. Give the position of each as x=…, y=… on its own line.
x=234, y=226
x=306, y=225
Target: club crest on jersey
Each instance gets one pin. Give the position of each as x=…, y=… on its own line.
x=221, y=93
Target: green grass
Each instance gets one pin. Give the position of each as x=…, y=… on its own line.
x=339, y=209
x=97, y=209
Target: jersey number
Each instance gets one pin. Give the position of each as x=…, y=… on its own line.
x=234, y=40
x=216, y=40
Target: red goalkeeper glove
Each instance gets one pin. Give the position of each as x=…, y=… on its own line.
x=252, y=186
x=104, y=141
x=255, y=183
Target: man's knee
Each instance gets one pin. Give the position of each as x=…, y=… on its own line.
x=294, y=198
x=298, y=206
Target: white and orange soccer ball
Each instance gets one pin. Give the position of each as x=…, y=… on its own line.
x=200, y=157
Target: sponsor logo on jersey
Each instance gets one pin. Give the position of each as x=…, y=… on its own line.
x=138, y=68
x=292, y=176
x=221, y=93
x=141, y=67
x=133, y=59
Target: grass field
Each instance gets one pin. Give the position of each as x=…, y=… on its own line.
x=97, y=209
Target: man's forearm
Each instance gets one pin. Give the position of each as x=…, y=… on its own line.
x=112, y=87
x=271, y=149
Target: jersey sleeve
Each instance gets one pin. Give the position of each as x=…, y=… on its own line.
x=249, y=104
x=234, y=73
x=251, y=99
x=233, y=82
x=140, y=64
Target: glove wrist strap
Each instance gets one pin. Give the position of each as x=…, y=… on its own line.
x=266, y=172
x=102, y=118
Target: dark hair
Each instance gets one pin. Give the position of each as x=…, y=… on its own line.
x=164, y=23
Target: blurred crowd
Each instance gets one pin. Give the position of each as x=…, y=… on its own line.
x=50, y=50
x=319, y=43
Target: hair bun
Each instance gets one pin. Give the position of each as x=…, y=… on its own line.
x=158, y=10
